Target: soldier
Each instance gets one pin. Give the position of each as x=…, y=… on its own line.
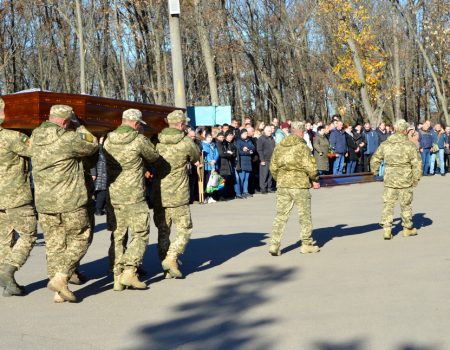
x=403, y=170
x=127, y=152
x=61, y=195
x=16, y=210
x=171, y=191
x=295, y=170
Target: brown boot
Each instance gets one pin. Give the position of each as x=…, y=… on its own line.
x=78, y=278
x=170, y=266
x=129, y=278
x=118, y=287
x=274, y=250
x=57, y=298
x=407, y=232
x=59, y=284
x=387, y=235
x=309, y=248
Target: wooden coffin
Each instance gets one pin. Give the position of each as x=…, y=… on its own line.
x=27, y=110
x=339, y=180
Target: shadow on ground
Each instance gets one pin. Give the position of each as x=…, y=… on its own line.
x=222, y=321
x=201, y=254
x=323, y=235
x=360, y=345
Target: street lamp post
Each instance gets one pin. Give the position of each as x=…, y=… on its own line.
x=177, y=57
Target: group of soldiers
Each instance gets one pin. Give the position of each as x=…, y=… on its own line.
x=62, y=151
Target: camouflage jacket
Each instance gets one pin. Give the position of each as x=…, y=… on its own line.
x=127, y=152
x=57, y=168
x=403, y=165
x=15, y=181
x=292, y=164
x=171, y=184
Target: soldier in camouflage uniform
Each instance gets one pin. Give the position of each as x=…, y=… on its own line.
x=171, y=191
x=127, y=152
x=61, y=196
x=16, y=210
x=295, y=170
x=403, y=170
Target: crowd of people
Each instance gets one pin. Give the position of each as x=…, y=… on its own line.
x=241, y=153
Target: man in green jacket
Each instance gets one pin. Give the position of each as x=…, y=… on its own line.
x=16, y=210
x=171, y=191
x=61, y=195
x=127, y=152
x=403, y=170
x=295, y=170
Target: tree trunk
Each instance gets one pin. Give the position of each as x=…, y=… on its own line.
x=80, y=34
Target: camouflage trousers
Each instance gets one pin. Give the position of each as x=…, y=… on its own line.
x=181, y=217
x=66, y=239
x=136, y=218
x=390, y=198
x=286, y=198
x=22, y=221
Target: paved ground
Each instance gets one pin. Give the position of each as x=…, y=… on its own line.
x=358, y=293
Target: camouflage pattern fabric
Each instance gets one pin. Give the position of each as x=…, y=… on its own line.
x=171, y=182
x=23, y=221
x=164, y=217
x=403, y=170
x=390, y=198
x=66, y=239
x=136, y=218
x=402, y=162
x=15, y=188
x=292, y=164
x=286, y=198
x=57, y=171
x=126, y=153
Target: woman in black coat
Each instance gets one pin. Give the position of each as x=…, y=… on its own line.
x=227, y=161
x=101, y=182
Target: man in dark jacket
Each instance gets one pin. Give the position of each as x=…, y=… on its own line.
x=426, y=142
x=265, y=146
x=371, y=144
x=339, y=145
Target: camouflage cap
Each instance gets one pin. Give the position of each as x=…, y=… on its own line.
x=176, y=117
x=133, y=114
x=296, y=125
x=401, y=125
x=61, y=111
x=2, y=103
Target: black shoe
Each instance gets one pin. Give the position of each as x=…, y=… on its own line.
x=239, y=197
x=442, y=174
x=263, y=192
x=272, y=190
x=247, y=195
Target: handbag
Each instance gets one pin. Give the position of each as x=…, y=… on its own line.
x=215, y=182
x=434, y=148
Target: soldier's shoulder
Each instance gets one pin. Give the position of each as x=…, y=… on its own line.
x=14, y=136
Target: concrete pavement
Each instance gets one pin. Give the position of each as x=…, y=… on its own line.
x=360, y=292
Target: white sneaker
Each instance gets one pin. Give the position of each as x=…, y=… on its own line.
x=211, y=200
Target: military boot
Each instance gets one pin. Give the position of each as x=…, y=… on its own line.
x=170, y=267
x=407, y=232
x=59, y=284
x=8, y=281
x=274, y=250
x=118, y=287
x=58, y=299
x=129, y=278
x=309, y=248
x=387, y=233
x=78, y=278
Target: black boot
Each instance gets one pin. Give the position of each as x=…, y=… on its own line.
x=8, y=281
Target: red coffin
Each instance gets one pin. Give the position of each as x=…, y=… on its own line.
x=27, y=110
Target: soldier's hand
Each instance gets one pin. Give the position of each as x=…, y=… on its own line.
x=316, y=185
x=263, y=163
